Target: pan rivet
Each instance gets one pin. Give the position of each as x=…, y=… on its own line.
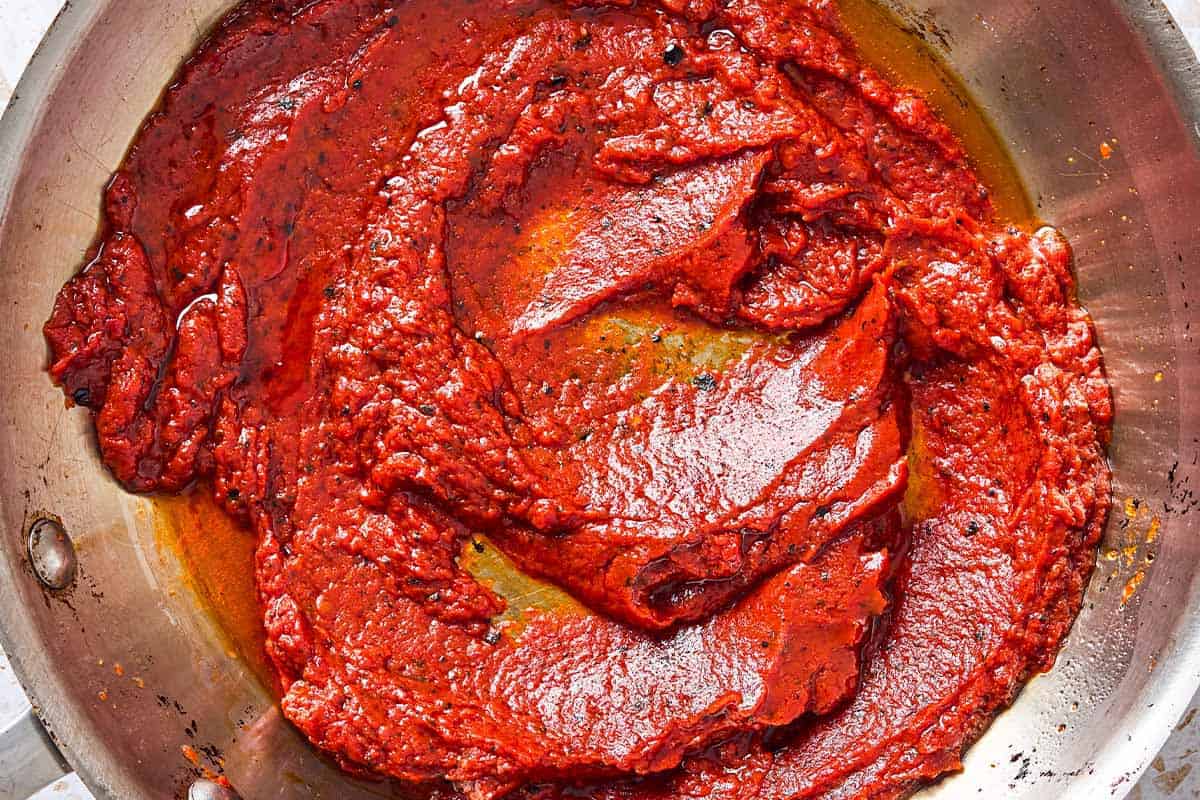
x=52, y=553
x=204, y=789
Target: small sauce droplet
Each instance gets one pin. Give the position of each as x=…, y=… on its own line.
x=1131, y=586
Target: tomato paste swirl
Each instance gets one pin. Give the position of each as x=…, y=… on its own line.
x=634, y=399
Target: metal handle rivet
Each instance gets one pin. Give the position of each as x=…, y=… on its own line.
x=204, y=789
x=52, y=553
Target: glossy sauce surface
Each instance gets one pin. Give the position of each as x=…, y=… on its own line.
x=638, y=400
x=220, y=553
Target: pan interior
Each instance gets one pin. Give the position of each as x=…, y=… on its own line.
x=146, y=691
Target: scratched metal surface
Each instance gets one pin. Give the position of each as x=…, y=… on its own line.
x=1174, y=774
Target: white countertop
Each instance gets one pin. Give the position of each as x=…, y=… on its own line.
x=1174, y=774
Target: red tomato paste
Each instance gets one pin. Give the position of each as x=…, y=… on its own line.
x=669, y=301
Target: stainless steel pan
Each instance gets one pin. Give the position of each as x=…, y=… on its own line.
x=1058, y=78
